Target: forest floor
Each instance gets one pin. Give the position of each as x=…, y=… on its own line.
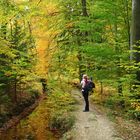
x=97, y=125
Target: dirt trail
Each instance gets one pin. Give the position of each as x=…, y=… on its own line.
x=92, y=125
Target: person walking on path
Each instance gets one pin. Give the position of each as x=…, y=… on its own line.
x=85, y=92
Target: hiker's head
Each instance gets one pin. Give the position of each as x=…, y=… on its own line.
x=85, y=76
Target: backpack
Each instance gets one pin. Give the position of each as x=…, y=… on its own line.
x=89, y=86
x=92, y=84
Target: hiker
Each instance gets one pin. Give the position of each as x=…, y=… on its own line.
x=85, y=92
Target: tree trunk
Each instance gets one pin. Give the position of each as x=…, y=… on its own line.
x=135, y=34
x=15, y=91
x=84, y=8
x=84, y=13
x=101, y=88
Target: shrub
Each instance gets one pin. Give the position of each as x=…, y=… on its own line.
x=61, y=121
x=60, y=105
x=115, y=101
x=3, y=119
x=134, y=111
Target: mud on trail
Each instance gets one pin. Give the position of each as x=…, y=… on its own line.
x=92, y=125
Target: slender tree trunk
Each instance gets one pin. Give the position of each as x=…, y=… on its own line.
x=84, y=13
x=135, y=32
x=117, y=50
x=101, y=88
x=84, y=8
x=80, y=66
x=15, y=90
x=128, y=22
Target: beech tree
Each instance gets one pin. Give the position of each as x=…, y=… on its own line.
x=135, y=35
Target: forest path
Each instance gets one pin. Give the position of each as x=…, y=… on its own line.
x=92, y=125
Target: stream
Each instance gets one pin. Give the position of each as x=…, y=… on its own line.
x=25, y=131
x=32, y=127
x=22, y=131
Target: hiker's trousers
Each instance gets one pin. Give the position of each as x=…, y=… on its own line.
x=85, y=95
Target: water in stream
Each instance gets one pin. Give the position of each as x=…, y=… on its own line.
x=24, y=131
x=33, y=127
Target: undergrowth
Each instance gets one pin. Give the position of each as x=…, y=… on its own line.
x=125, y=104
x=60, y=105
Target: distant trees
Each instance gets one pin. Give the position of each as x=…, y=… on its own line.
x=99, y=35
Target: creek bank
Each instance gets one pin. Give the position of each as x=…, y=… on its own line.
x=31, y=127
x=49, y=120
x=16, y=119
